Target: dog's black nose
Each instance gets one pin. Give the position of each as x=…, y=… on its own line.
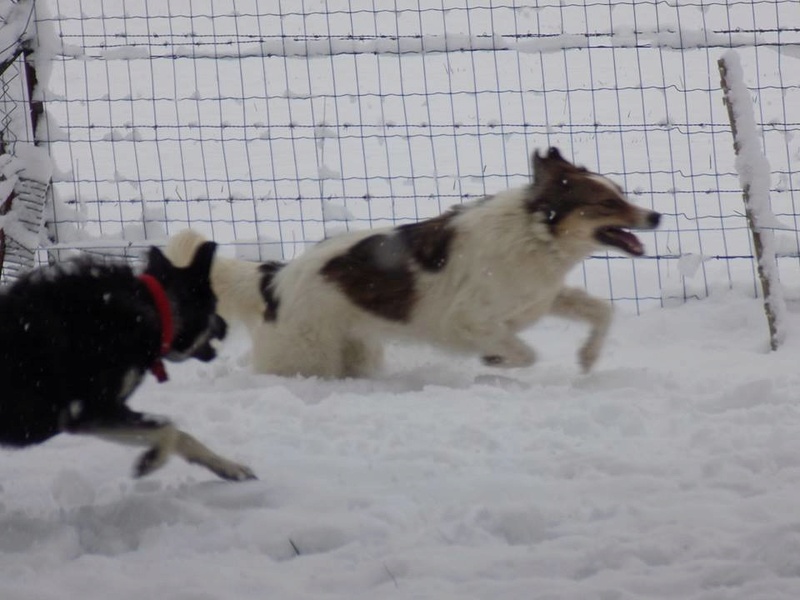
x=205, y=353
x=654, y=219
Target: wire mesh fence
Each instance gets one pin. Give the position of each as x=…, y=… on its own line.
x=271, y=125
x=22, y=190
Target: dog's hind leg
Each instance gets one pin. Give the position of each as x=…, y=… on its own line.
x=361, y=357
x=308, y=349
x=507, y=352
x=162, y=438
x=495, y=342
x=576, y=304
x=498, y=345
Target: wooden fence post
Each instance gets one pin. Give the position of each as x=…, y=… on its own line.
x=765, y=256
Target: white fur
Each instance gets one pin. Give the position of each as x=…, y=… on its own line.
x=505, y=271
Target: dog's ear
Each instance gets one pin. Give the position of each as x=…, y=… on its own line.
x=553, y=153
x=544, y=165
x=201, y=263
x=158, y=265
x=549, y=167
x=551, y=185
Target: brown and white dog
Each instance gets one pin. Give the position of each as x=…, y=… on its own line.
x=467, y=281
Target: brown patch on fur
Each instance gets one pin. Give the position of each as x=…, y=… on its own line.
x=268, y=271
x=379, y=272
x=429, y=241
x=375, y=274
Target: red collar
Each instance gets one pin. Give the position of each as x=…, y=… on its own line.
x=167, y=328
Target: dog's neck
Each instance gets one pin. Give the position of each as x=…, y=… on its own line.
x=167, y=327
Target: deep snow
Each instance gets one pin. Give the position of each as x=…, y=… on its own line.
x=672, y=471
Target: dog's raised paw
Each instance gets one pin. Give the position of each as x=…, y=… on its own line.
x=234, y=472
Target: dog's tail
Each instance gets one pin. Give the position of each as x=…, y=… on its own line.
x=182, y=246
x=236, y=283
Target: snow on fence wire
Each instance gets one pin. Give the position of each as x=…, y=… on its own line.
x=269, y=125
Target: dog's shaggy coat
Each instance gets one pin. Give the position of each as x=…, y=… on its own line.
x=76, y=340
x=468, y=280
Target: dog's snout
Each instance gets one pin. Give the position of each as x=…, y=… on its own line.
x=653, y=219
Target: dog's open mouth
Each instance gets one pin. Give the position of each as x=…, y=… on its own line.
x=620, y=238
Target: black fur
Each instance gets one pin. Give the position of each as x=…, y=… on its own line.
x=76, y=340
x=268, y=271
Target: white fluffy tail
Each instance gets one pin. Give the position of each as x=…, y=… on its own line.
x=182, y=246
x=236, y=282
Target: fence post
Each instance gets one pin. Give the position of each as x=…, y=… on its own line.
x=752, y=167
x=7, y=202
x=32, y=179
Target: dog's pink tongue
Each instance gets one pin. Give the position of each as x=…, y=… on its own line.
x=624, y=240
x=631, y=243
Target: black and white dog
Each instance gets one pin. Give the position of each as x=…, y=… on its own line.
x=76, y=340
x=468, y=280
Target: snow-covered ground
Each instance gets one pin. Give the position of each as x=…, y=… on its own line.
x=672, y=471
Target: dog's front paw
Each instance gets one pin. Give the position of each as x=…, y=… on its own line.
x=587, y=356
